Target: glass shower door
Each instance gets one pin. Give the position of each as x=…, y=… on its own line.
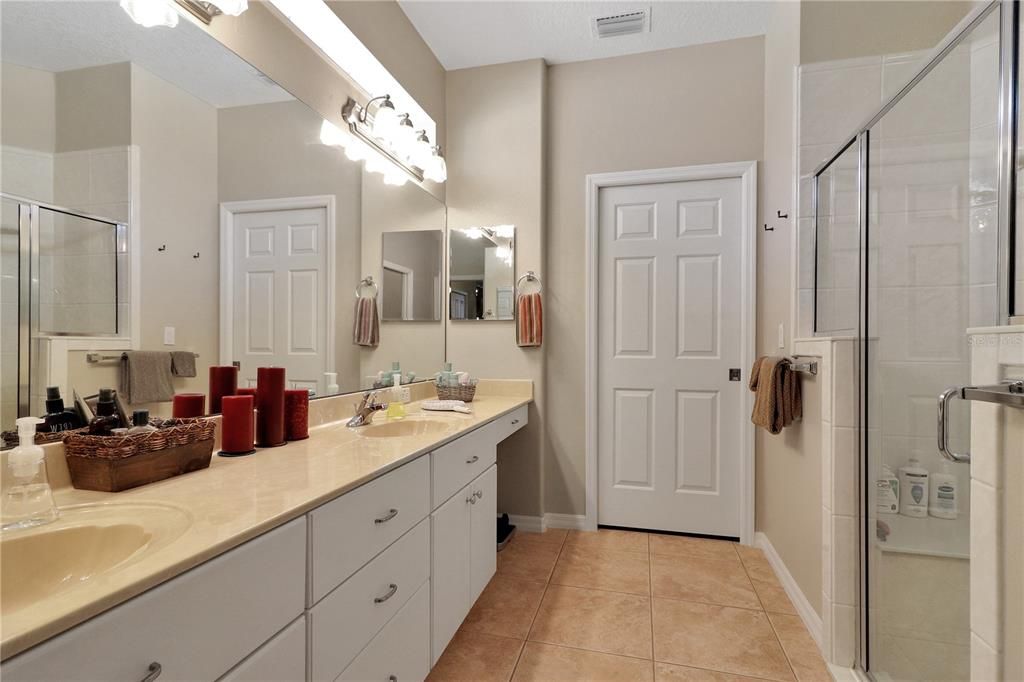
x=931, y=245
x=10, y=328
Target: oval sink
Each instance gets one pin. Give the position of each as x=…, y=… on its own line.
x=404, y=428
x=86, y=542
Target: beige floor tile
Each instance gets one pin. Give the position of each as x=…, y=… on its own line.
x=739, y=641
x=603, y=539
x=476, y=657
x=528, y=559
x=506, y=608
x=686, y=546
x=803, y=653
x=665, y=672
x=773, y=597
x=606, y=570
x=610, y=622
x=546, y=663
x=756, y=564
x=551, y=535
x=712, y=581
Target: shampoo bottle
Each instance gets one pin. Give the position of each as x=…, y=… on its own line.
x=914, y=489
x=945, y=489
x=27, y=498
x=887, y=492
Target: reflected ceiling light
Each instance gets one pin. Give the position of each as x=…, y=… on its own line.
x=436, y=169
x=151, y=13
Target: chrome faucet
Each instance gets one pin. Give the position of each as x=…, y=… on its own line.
x=364, y=413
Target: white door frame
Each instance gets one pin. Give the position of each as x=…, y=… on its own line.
x=408, y=285
x=746, y=171
x=228, y=211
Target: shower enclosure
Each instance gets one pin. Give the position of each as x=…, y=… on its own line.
x=913, y=244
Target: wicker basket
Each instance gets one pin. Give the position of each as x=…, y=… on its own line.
x=10, y=438
x=114, y=463
x=463, y=393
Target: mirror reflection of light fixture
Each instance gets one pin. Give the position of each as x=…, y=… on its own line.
x=151, y=13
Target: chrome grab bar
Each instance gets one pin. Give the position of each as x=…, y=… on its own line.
x=1007, y=394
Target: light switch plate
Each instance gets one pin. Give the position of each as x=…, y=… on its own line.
x=168, y=336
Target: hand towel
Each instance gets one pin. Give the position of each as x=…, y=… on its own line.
x=366, y=327
x=778, y=401
x=146, y=377
x=183, y=363
x=529, y=320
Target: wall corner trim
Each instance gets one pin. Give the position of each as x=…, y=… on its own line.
x=538, y=524
x=804, y=609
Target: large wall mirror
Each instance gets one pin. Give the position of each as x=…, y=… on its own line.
x=185, y=202
x=481, y=273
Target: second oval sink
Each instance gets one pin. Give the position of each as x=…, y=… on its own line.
x=404, y=428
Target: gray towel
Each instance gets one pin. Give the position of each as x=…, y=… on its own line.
x=183, y=363
x=146, y=377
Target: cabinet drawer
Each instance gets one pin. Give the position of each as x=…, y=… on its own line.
x=348, y=618
x=401, y=651
x=505, y=426
x=459, y=462
x=351, y=530
x=196, y=626
x=282, y=658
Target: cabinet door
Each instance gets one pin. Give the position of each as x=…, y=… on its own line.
x=483, y=544
x=282, y=658
x=449, y=574
x=401, y=651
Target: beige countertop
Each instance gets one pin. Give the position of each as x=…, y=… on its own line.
x=237, y=499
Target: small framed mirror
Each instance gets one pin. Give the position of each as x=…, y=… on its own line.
x=481, y=273
x=410, y=287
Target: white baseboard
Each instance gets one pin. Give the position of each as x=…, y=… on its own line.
x=807, y=613
x=538, y=524
x=527, y=524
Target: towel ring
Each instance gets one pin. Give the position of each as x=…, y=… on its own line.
x=366, y=282
x=530, y=276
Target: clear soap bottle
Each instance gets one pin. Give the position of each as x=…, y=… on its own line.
x=27, y=497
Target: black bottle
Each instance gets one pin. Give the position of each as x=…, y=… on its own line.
x=58, y=418
x=107, y=418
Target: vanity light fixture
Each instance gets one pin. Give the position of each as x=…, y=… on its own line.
x=151, y=13
x=437, y=169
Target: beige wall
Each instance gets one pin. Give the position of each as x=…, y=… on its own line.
x=29, y=99
x=290, y=161
x=177, y=139
x=496, y=176
x=93, y=107
x=860, y=28
x=790, y=461
x=678, y=94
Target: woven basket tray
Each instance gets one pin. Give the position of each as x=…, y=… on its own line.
x=11, y=440
x=463, y=393
x=114, y=463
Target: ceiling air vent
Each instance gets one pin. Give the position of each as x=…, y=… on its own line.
x=622, y=24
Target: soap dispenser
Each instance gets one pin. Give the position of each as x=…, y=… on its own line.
x=27, y=498
x=914, y=489
x=58, y=418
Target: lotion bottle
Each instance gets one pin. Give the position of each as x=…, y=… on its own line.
x=914, y=489
x=944, y=494
x=887, y=492
x=27, y=498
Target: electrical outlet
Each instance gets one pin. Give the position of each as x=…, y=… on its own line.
x=168, y=336
x=782, y=336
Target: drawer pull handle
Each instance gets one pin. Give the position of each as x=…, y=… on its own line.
x=154, y=672
x=473, y=460
x=387, y=517
x=514, y=422
x=392, y=588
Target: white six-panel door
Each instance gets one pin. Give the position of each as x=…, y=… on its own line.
x=670, y=312
x=279, y=302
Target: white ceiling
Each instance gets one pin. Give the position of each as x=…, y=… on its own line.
x=60, y=35
x=464, y=34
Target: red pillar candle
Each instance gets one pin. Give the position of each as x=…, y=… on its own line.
x=223, y=381
x=270, y=407
x=246, y=391
x=236, y=425
x=185, y=405
x=296, y=414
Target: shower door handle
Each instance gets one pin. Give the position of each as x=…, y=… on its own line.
x=944, y=399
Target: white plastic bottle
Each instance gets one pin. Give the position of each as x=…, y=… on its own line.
x=27, y=498
x=943, y=500
x=914, y=489
x=887, y=492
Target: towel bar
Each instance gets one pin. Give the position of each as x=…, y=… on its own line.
x=808, y=366
x=94, y=358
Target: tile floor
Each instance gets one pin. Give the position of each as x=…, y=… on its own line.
x=619, y=605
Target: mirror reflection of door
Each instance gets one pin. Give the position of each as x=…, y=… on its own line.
x=482, y=270
x=410, y=275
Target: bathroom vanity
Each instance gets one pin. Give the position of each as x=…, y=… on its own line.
x=352, y=555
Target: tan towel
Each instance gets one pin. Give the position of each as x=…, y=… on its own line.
x=366, y=327
x=183, y=363
x=146, y=377
x=529, y=320
x=777, y=400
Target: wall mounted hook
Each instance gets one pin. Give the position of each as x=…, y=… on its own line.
x=779, y=214
x=195, y=255
x=768, y=229
x=162, y=247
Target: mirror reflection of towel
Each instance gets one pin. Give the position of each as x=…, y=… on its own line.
x=183, y=363
x=366, y=326
x=146, y=377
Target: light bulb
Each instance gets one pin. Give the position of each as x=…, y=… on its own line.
x=404, y=140
x=331, y=134
x=150, y=13
x=436, y=169
x=473, y=232
x=232, y=7
x=422, y=151
x=385, y=121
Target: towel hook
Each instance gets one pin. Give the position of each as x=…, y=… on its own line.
x=768, y=229
x=162, y=247
x=366, y=282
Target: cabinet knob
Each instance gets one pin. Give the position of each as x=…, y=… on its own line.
x=471, y=499
x=392, y=588
x=479, y=494
x=387, y=517
x=154, y=672
x=473, y=460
